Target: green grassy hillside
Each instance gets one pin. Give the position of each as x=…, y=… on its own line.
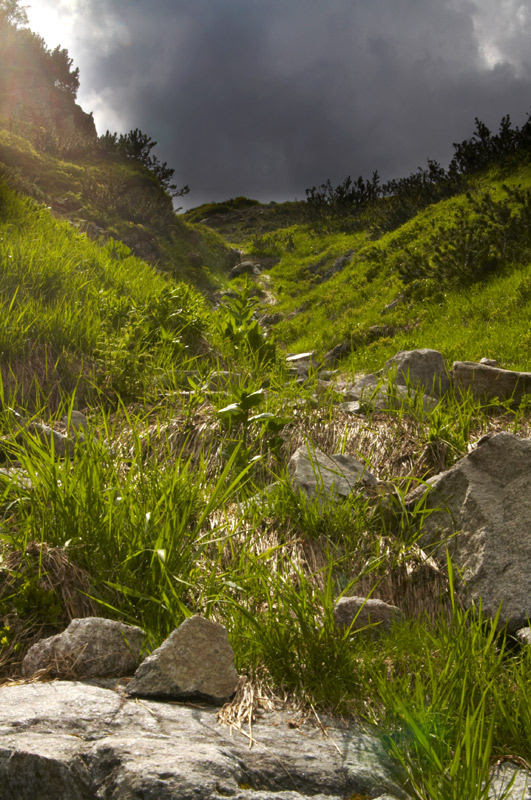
x=177, y=500
x=459, y=271
x=85, y=316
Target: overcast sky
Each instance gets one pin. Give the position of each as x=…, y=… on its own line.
x=265, y=98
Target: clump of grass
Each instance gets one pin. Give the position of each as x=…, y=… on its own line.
x=457, y=707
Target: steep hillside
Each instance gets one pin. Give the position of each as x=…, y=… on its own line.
x=456, y=275
x=152, y=441
x=49, y=150
x=82, y=315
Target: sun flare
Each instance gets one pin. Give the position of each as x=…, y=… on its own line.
x=52, y=20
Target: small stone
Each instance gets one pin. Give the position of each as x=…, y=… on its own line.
x=524, y=635
x=315, y=473
x=60, y=443
x=298, y=357
x=245, y=268
x=196, y=660
x=360, y=612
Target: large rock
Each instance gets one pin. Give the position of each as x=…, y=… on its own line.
x=196, y=660
x=424, y=368
x=70, y=741
x=482, y=514
x=488, y=382
x=317, y=474
x=89, y=647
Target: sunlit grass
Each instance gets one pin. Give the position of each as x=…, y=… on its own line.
x=177, y=498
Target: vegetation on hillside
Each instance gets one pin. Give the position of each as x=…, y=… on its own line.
x=369, y=204
x=109, y=186
x=176, y=499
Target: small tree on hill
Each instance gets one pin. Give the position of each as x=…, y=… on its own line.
x=64, y=77
x=11, y=13
x=138, y=146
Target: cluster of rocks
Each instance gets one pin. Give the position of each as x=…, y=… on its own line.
x=479, y=511
x=195, y=661
x=89, y=737
x=412, y=372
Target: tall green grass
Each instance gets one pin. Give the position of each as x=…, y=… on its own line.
x=72, y=310
x=160, y=521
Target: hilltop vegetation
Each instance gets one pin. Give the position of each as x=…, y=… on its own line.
x=109, y=186
x=441, y=257
x=176, y=500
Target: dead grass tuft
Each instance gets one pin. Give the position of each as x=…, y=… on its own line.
x=41, y=591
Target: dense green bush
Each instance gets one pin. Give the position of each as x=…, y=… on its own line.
x=384, y=207
x=487, y=235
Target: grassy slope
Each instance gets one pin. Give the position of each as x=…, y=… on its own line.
x=109, y=198
x=485, y=318
x=149, y=507
x=74, y=310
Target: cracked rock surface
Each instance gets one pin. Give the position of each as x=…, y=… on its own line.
x=72, y=741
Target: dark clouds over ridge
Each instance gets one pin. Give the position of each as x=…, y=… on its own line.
x=267, y=97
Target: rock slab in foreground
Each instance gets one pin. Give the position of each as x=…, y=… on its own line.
x=89, y=647
x=483, y=515
x=70, y=741
x=196, y=660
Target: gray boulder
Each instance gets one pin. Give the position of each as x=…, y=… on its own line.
x=481, y=512
x=89, y=647
x=196, y=660
x=61, y=443
x=72, y=741
x=487, y=382
x=424, y=368
x=316, y=473
x=359, y=612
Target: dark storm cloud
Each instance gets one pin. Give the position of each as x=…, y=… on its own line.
x=268, y=97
